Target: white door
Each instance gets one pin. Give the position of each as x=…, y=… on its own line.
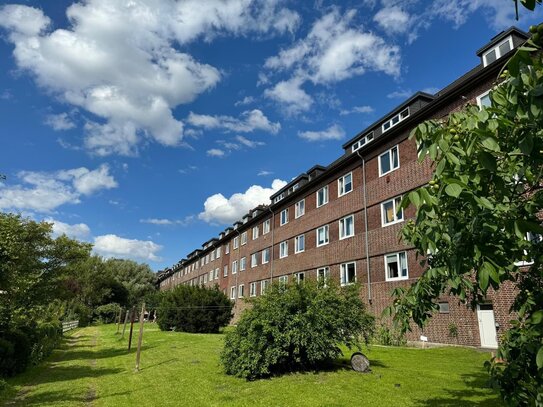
x=487, y=326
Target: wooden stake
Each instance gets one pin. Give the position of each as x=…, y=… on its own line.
x=125, y=321
x=140, y=337
x=132, y=317
x=119, y=320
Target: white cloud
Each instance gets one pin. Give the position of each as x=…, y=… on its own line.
x=264, y=173
x=249, y=143
x=400, y=94
x=392, y=19
x=61, y=121
x=336, y=48
x=333, y=132
x=357, y=109
x=250, y=121
x=115, y=246
x=121, y=61
x=168, y=222
x=44, y=192
x=247, y=100
x=222, y=210
x=215, y=152
x=75, y=231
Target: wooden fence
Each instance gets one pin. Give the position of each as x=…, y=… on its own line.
x=69, y=325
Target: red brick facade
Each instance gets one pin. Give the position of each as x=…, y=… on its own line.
x=381, y=240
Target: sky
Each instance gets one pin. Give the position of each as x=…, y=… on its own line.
x=146, y=127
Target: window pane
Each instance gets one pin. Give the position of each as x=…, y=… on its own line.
x=490, y=57
x=505, y=48
x=348, y=183
x=388, y=209
x=392, y=266
x=385, y=162
x=399, y=212
x=403, y=264
x=395, y=162
x=485, y=100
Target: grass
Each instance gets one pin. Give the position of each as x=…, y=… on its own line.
x=93, y=368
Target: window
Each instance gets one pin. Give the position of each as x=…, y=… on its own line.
x=323, y=275
x=404, y=114
x=444, y=307
x=236, y=242
x=241, y=291
x=322, y=196
x=266, y=226
x=211, y=275
x=299, y=244
x=244, y=238
x=299, y=208
x=279, y=197
x=284, y=216
x=202, y=260
x=300, y=277
x=225, y=271
x=207, y=258
x=234, y=267
x=265, y=255
x=322, y=236
x=498, y=51
x=242, y=264
x=363, y=141
x=213, y=255
x=389, y=161
x=345, y=184
x=348, y=273
x=396, y=266
x=264, y=285
x=217, y=273
x=254, y=260
x=283, y=249
x=255, y=233
x=252, y=290
x=391, y=212
x=218, y=254
x=533, y=238
x=227, y=248
x=346, y=227
x=484, y=100
x=205, y=278
x=283, y=280
x=233, y=293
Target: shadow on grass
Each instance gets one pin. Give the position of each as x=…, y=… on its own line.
x=477, y=387
x=54, y=373
x=56, y=397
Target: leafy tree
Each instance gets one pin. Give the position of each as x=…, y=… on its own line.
x=194, y=309
x=137, y=278
x=481, y=214
x=297, y=327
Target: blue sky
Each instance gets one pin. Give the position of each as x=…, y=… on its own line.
x=147, y=127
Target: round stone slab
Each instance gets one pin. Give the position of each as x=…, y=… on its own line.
x=360, y=362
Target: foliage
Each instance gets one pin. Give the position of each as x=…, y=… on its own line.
x=297, y=327
x=194, y=309
x=107, y=313
x=453, y=330
x=480, y=215
x=389, y=336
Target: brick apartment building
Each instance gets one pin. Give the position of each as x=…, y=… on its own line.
x=340, y=221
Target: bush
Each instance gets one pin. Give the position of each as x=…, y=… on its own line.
x=15, y=351
x=297, y=327
x=389, y=336
x=194, y=309
x=106, y=314
x=45, y=337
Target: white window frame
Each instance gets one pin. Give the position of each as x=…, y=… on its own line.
x=233, y=292
x=234, y=267
x=362, y=142
x=283, y=217
x=241, y=290
x=266, y=260
x=244, y=238
x=496, y=49
x=266, y=226
x=235, y=244
x=212, y=255
x=327, y=234
x=323, y=274
x=254, y=260
x=300, y=277
x=211, y=274
x=255, y=233
x=398, y=116
x=326, y=196
x=252, y=290
x=227, y=248
x=343, y=275
x=481, y=97
x=296, y=243
x=283, y=280
x=225, y=270
x=283, y=252
x=395, y=207
x=398, y=260
x=216, y=274
x=341, y=184
x=389, y=152
x=297, y=211
x=242, y=263
x=342, y=228
x=264, y=285
x=218, y=253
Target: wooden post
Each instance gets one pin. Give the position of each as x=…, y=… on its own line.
x=132, y=317
x=119, y=320
x=140, y=337
x=125, y=322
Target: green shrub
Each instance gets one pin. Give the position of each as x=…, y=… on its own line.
x=107, y=313
x=389, y=336
x=16, y=347
x=7, y=358
x=298, y=327
x=194, y=309
x=45, y=337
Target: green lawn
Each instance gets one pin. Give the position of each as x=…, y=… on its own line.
x=93, y=368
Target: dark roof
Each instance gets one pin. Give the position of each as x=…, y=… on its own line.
x=497, y=38
x=291, y=183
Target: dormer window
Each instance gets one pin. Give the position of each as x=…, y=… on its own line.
x=498, y=51
x=404, y=114
x=278, y=197
x=363, y=141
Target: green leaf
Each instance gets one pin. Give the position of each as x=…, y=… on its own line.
x=415, y=198
x=536, y=317
x=529, y=4
x=491, y=271
x=539, y=358
x=490, y=143
x=487, y=160
x=440, y=167
x=527, y=144
x=483, y=278
x=453, y=190
x=481, y=200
